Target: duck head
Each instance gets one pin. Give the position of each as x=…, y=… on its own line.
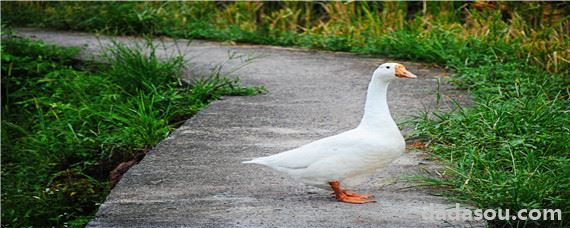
x=390, y=71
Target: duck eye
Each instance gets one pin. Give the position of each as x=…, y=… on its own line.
x=387, y=67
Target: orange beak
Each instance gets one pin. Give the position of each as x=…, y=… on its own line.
x=401, y=72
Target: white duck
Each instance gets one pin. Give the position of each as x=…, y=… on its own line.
x=332, y=161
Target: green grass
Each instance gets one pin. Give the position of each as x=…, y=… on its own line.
x=509, y=150
x=66, y=124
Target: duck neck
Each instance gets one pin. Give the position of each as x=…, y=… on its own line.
x=376, y=112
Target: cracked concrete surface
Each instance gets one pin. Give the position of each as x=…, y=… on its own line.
x=195, y=178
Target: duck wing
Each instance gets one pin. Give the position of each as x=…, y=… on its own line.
x=350, y=142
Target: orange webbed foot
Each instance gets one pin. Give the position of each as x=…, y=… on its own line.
x=354, y=194
x=345, y=196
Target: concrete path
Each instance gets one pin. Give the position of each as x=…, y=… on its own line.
x=195, y=178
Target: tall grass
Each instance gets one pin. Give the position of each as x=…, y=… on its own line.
x=509, y=150
x=539, y=29
x=66, y=124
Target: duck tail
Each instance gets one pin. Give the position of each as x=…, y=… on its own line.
x=255, y=161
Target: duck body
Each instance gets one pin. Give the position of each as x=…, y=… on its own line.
x=339, y=159
x=351, y=154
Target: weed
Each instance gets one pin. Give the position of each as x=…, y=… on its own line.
x=64, y=128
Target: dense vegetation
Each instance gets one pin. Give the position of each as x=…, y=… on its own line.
x=509, y=150
x=67, y=124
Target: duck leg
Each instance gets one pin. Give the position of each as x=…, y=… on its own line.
x=344, y=196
